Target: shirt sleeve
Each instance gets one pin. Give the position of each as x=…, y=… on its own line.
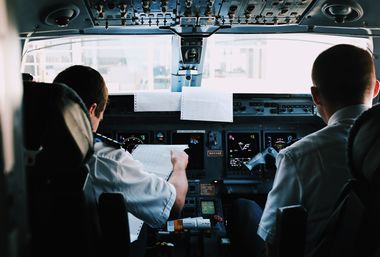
x=148, y=197
x=286, y=191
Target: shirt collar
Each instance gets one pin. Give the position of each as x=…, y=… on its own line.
x=349, y=112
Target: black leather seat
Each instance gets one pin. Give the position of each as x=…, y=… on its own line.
x=58, y=141
x=364, y=160
x=113, y=217
x=352, y=228
x=290, y=231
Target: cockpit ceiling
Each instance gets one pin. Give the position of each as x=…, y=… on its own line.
x=195, y=17
x=196, y=12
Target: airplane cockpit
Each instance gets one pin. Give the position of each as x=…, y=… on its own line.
x=230, y=79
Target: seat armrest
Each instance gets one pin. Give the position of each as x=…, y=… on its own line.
x=290, y=232
x=113, y=217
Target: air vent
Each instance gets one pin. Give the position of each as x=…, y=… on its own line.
x=61, y=16
x=342, y=11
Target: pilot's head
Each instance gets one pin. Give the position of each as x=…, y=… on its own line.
x=90, y=86
x=343, y=75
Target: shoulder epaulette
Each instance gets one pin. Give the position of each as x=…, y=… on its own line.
x=108, y=141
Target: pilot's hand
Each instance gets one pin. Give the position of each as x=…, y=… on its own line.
x=179, y=160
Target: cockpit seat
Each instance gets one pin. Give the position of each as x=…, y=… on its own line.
x=364, y=161
x=57, y=125
x=352, y=228
x=290, y=231
x=113, y=217
x=58, y=141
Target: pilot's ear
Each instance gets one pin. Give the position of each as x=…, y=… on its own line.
x=92, y=109
x=315, y=94
x=376, y=89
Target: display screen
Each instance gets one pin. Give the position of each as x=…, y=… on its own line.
x=130, y=140
x=196, y=148
x=241, y=147
x=277, y=140
x=208, y=207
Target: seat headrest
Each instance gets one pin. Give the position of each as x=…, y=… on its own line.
x=364, y=144
x=57, y=123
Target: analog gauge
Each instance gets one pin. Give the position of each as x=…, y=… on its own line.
x=131, y=142
x=131, y=139
x=160, y=137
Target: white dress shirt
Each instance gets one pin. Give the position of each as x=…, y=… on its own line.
x=311, y=172
x=148, y=197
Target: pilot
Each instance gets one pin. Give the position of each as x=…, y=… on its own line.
x=112, y=169
x=313, y=171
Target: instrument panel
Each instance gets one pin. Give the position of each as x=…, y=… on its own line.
x=200, y=13
x=237, y=148
x=219, y=151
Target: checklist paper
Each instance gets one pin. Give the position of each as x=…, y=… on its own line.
x=206, y=105
x=157, y=101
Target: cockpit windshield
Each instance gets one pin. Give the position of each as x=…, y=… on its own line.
x=238, y=63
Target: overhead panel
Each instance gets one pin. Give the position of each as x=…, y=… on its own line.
x=197, y=13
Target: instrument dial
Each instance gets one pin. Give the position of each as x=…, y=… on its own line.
x=131, y=140
x=130, y=143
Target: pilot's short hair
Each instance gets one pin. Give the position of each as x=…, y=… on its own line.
x=27, y=76
x=343, y=74
x=88, y=84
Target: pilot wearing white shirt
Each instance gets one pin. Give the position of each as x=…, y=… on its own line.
x=313, y=171
x=149, y=197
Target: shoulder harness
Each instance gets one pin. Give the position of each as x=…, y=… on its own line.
x=108, y=141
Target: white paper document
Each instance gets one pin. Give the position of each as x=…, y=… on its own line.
x=156, y=159
x=205, y=104
x=135, y=225
x=157, y=101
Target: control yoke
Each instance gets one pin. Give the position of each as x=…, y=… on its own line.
x=260, y=158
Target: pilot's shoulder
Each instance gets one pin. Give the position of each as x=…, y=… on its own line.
x=107, y=141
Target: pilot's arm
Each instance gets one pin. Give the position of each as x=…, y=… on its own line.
x=148, y=197
x=179, y=180
x=285, y=191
